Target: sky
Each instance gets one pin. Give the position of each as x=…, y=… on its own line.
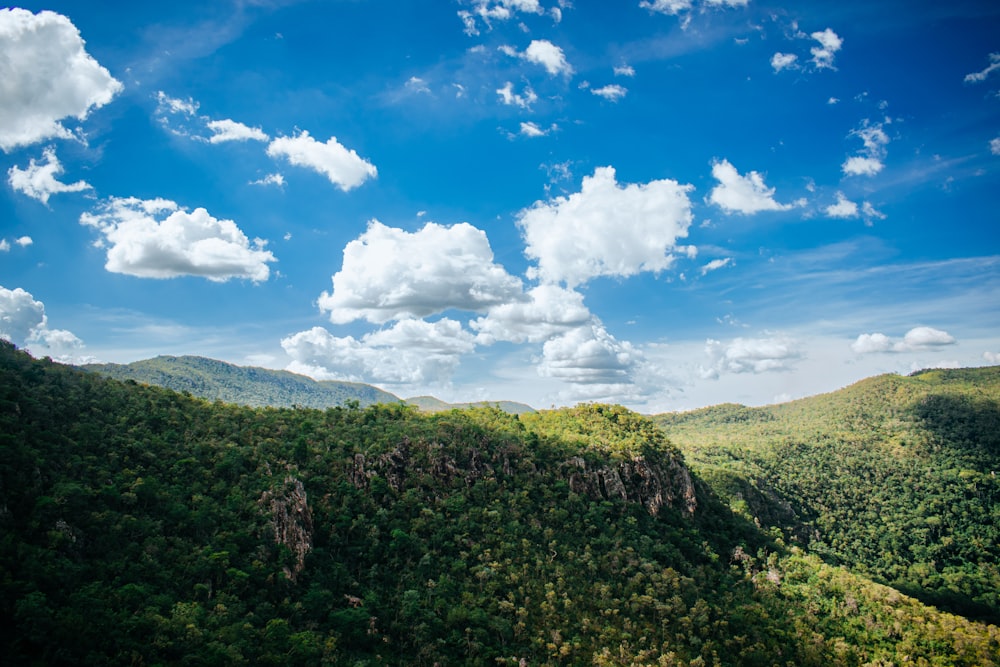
x=666, y=204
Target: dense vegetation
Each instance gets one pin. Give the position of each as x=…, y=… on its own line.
x=894, y=477
x=243, y=385
x=142, y=526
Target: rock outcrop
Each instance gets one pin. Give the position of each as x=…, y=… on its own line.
x=652, y=482
x=291, y=521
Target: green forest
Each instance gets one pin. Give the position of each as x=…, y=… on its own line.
x=147, y=527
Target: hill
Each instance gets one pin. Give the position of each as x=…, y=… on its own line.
x=243, y=385
x=431, y=404
x=894, y=477
x=139, y=525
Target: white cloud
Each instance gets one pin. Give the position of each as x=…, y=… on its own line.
x=271, y=179
x=869, y=160
x=606, y=229
x=976, y=77
x=727, y=3
x=589, y=355
x=780, y=61
x=916, y=339
x=992, y=357
x=862, y=166
x=157, y=239
x=510, y=98
x=671, y=7
x=844, y=208
x=742, y=194
x=995, y=146
x=24, y=323
x=750, y=355
x=410, y=352
x=175, y=105
x=829, y=44
x=530, y=129
x=343, y=167
x=624, y=70
x=230, y=130
x=549, y=311
x=48, y=76
x=23, y=241
x=488, y=11
x=390, y=274
x=417, y=85
x=612, y=92
x=716, y=264
x=20, y=314
x=869, y=212
x=4, y=245
x=545, y=53
x=39, y=181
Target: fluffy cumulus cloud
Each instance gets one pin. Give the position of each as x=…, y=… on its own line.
x=589, y=355
x=995, y=146
x=545, y=53
x=549, y=311
x=716, y=264
x=531, y=129
x=390, y=274
x=780, y=61
x=976, y=77
x=411, y=352
x=844, y=208
x=749, y=355
x=671, y=7
x=231, y=130
x=606, y=229
x=157, y=239
x=23, y=241
x=829, y=44
x=869, y=160
x=345, y=168
x=24, y=323
x=916, y=339
x=40, y=180
x=48, y=77
x=742, y=194
x=612, y=92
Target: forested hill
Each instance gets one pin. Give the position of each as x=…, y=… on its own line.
x=243, y=385
x=893, y=476
x=143, y=526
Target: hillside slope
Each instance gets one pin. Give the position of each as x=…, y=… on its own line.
x=431, y=404
x=893, y=476
x=142, y=526
x=243, y=385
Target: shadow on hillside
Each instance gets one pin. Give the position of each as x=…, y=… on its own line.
x=967, y=424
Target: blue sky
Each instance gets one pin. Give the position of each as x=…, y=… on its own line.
x=666, y=203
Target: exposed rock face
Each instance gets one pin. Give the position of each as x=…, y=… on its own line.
x=653, y=483
x=291, y=521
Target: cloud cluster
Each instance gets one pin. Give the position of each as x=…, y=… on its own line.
x=845, y=208
x=411, y=352
x=231, y=130
x=977, y=77
x=510, y=98
x=489, y=11
x=823, y=54
x=606, y=229
x=24, y=323
x=391, y=274
x=39, y=181
x=916, y=339
x=23, y=241
x=157, y=239
x=548, y=311
x=48, y=77
x=742, y=194
x=749, y=355
x=589, y=355
x=869, y=160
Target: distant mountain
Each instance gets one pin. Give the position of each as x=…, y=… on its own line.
x=431, y=404
x=242, y=385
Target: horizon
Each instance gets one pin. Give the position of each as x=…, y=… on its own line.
x=668, y=204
